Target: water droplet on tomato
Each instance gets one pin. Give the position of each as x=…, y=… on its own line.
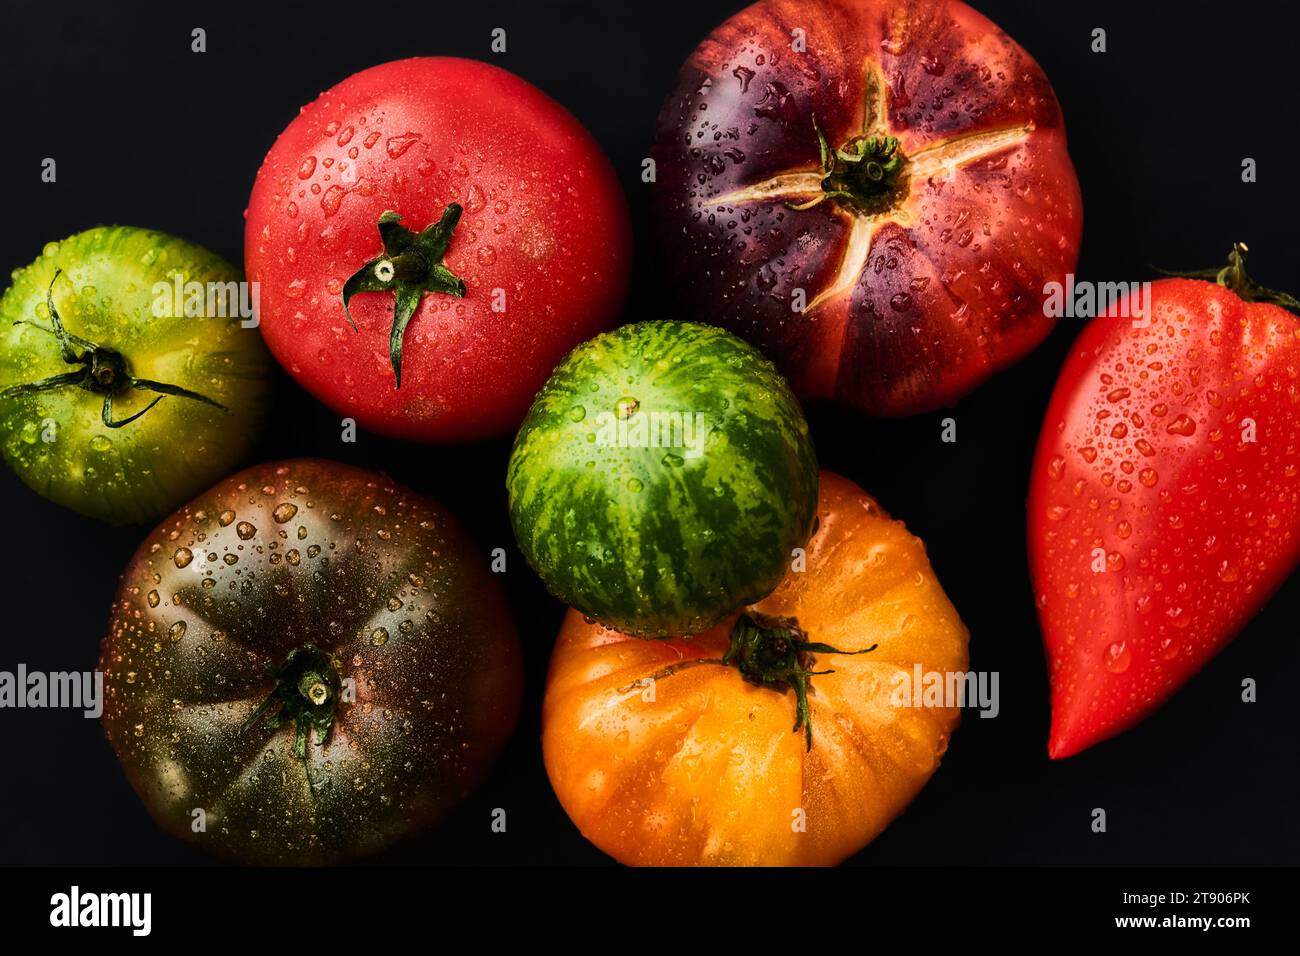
x=332, y=199
x=1118, y=657
x=932, y=64
x=397, y=145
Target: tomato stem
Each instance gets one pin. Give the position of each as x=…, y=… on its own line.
x=775, y=652
x=306, y=694
x=104, y=371
x=1234, y=278
x=867, y=175
x=409, y=267
x=768, y=651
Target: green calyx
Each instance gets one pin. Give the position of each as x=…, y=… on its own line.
x=306, y=695
x=867, y=175
x=774, y=652
x=103, y=371
x=1233, y=277
x=410, y=266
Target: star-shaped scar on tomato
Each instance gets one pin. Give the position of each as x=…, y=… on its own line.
x=103, y=371
x=410, y=266
x=869, y=180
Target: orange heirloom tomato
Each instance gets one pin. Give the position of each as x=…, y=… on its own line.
x=701, y=750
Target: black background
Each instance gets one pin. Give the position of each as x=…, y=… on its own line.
x=147, y=133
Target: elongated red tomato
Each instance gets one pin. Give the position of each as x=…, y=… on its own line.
x=472, y=228
x=875, y=192
x=1164, y=509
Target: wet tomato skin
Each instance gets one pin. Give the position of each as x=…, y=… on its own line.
x=542, y=244
x=936, y=292
x=1164, y=506
x=106, y=284
x=382, y=583
x=702, y=767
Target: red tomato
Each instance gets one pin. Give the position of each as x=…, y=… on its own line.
x=875, y=192
x=512, y=247
x=1164, y=509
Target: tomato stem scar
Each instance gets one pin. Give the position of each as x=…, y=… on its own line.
x=771, y=652
x=306, y=694
x=869, y=179
x=775, y=652
x=104, y=371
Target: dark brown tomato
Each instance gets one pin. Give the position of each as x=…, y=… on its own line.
x=920, y=252
x=314, y=657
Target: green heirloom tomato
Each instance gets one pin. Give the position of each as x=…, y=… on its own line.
x=662, y=479
x=127, y=381
x=315, y=657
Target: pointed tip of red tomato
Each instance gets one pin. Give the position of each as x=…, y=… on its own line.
x=1072, y=731
x=1059, y=749
x=1070, y=735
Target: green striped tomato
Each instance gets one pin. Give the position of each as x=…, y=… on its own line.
x=662, y=478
